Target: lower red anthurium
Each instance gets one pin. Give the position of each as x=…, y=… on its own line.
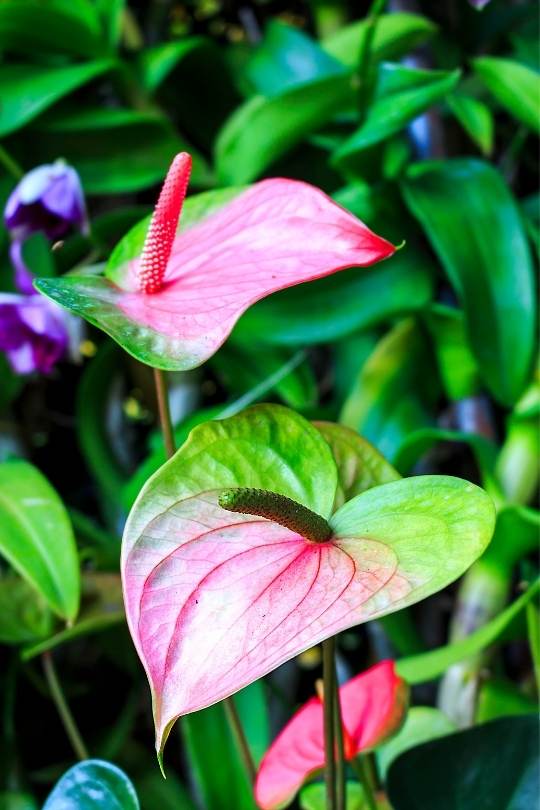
x=373, y=707
x=264, y=535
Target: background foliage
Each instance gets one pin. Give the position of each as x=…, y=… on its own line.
x=424, y=125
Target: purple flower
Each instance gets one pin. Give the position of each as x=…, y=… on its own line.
x=479, y=4
x=49, y=199
x=33, y=332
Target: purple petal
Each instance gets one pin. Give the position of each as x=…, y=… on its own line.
x=32, y=333
x=24, y=279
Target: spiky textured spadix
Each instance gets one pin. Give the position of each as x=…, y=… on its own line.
x=162, y=230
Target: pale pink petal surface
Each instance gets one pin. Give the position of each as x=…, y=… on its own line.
x=372, y=705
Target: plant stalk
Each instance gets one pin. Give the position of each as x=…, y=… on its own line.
x=10, y=164
x=329, y=702
x=233, y=718
x=361, y=768
x=364, y=59
x=62, y=707
x=341, y=788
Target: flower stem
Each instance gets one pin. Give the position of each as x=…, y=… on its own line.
x=10, y=164
x=361, y=767
x=341, y=795
x=235, y=725
x=364, y=60
x=62, y=707
x=329, y=680
x=233, y=719
x=164, y=411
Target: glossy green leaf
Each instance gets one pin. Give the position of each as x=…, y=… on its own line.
x=93, y=785
x=427, y=666
x=93, y=140
x=36, y=536
x=288, y=57
x=396, y=34
x=498, y=697
x=401, y=94
x=313, y=797
x=26, y=92
x=491, y=767
x=457, y=366
x=391, y=395
x=422, y=723
x=476, y=119
x=30, y=26
x=212, y=751
x=359, y=465
x=182, y=431
x=514, y=85
x=474, y=225
x=301, y=315
x=24, y=616
x=264, y=129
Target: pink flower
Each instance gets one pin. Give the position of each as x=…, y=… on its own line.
x=373, y=706
x=174, y=304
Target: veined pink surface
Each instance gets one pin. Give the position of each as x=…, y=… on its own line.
x=249, y=595
x=276, y=234
x=372, y=705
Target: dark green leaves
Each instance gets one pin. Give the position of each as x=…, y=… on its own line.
x=36, y=536
x=491, y=767
x=514, y=86
x=401, y=93
x=93, y=785
x=476, y=229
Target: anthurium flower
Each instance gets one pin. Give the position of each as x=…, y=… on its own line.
x=237, y=554
x=373, y=706
x=49, y=199
x=173, y=303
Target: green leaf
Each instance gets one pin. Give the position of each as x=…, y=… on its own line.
x=17, y=801
x=493, y=766
x=391, y=396
x=93, y=140
x=301, y=315
x=83, y=627
x=498, y=697
x=514, y=86
x=36, y=536
x=401, y=94
x=213, y=755
x=360, y=466
x=30, y=26
x=313, y=797
x=475, y=227
x=395, y=35
x=166, y=794
x=263, y=130
x=26, y=92
x=476, y=119
x=422, y=723
x=37, y=256
x=24, y=616
x=287, y=58
x=434, y=525
x=93, y=785
x=457, y=366
x=156, y=63
x=427, y=666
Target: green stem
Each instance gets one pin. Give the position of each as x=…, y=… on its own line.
x=341, y=789
x=62, y=707
x=361, y=768
x=329, y=678
x=233, y=719
x=10, y=164
x=364, y=60
x=235, y=725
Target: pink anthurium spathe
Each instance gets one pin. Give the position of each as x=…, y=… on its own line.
x=373, y=707
x=175, y=302
x=257, y=541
